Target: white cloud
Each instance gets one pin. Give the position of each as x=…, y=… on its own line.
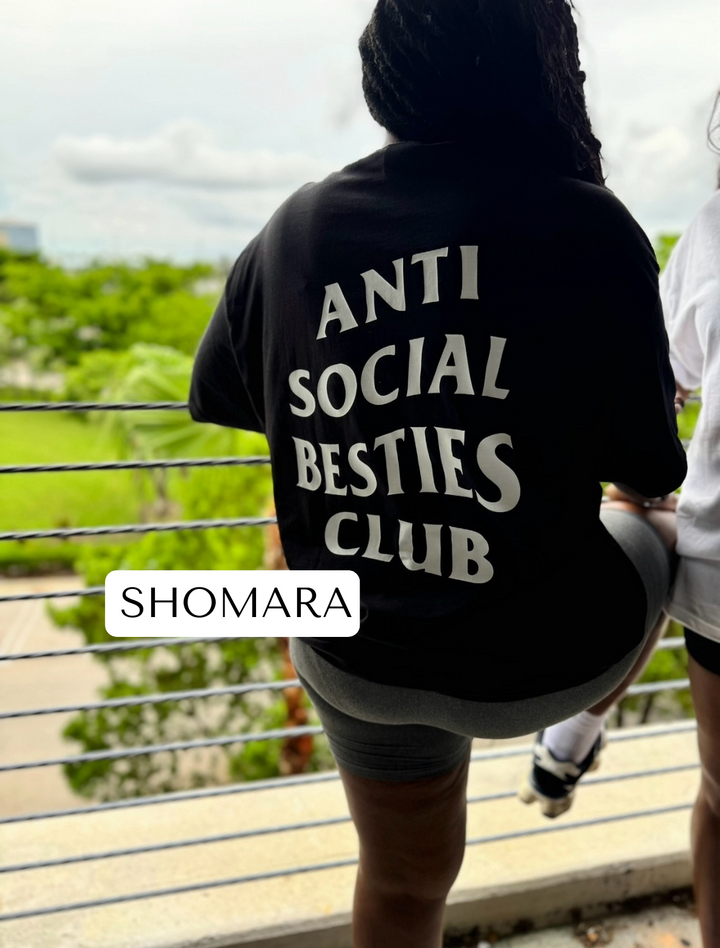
x=79, y=220
x=664, y=173
x=95, y=83
x=658, y=161
x=182, y=154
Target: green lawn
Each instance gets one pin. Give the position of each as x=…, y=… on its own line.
x=40, y=501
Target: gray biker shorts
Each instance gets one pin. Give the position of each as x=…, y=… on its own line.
x=386, y=732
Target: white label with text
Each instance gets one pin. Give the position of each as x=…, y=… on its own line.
x=233, y=603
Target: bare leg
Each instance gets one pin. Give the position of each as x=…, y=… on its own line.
x=706, y=816
x=412, y=844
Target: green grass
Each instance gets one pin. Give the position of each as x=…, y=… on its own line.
x=43, y=501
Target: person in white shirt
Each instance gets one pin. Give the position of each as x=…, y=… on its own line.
x=690, y=289
x=690, y=292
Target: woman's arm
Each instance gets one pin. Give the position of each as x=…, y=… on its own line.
x=227, y=379
x=669, y=501
x=681, y=396
x=623, y=492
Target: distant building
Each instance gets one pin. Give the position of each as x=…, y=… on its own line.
x=16, y=235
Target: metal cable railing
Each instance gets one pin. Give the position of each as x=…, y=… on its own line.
x=657, y=731
x=103, y=647
x=124, y=406
x=92, y=406
x=160, y=698
x=318, y=824
x=277, y=734
x=335, y=864
x=250, y=737
x=68, y=533
x=132, y=465
x=163, y=697
x=676, y=642
x=200, y=694
x=310, y=824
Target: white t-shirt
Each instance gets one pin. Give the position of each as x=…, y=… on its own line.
x=690, y=291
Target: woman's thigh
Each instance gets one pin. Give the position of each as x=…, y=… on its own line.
x=647, y=549
x=412, y=832
x=385, y=751
x=394, y=733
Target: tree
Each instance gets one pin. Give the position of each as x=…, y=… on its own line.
x=51, y=316
x=664, y=246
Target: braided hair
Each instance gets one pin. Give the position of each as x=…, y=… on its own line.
x=505, y=71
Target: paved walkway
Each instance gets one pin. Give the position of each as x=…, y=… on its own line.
x=44, y=682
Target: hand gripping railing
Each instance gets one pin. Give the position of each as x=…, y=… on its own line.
x=199, y=694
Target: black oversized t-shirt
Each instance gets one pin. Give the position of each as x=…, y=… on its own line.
x=448, y=353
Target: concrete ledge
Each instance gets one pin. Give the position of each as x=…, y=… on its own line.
x=568, y=897
x=541, y=903
x=545, y=878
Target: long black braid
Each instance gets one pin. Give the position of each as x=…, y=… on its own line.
x=499, y=70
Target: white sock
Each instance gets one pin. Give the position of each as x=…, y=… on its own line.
x=574, y=739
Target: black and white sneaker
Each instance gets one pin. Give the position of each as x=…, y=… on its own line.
x=552, y=782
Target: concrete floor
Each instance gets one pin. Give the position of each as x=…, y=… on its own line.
x=658, y=927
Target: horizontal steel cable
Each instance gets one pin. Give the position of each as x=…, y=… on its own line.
x=656, y=730
x=181, y=796
x=131, y=465
x=654, y=687
x=676, y=642
x=578, y=824
x=104, y=647
x=176, y=890
x=139, y=528
x=335, y=864
x=255, y=786
x=179, y=844
x=117, y=754
x=162, y=697
x=156, y=698
x=308, y=824
x=93, y=406
x=128, y=406
x=59, y=594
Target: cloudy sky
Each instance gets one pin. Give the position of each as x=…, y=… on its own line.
x=176, y=128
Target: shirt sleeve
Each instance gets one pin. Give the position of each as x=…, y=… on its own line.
x=641, y=446
x=688, y=285
x=227, y=379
